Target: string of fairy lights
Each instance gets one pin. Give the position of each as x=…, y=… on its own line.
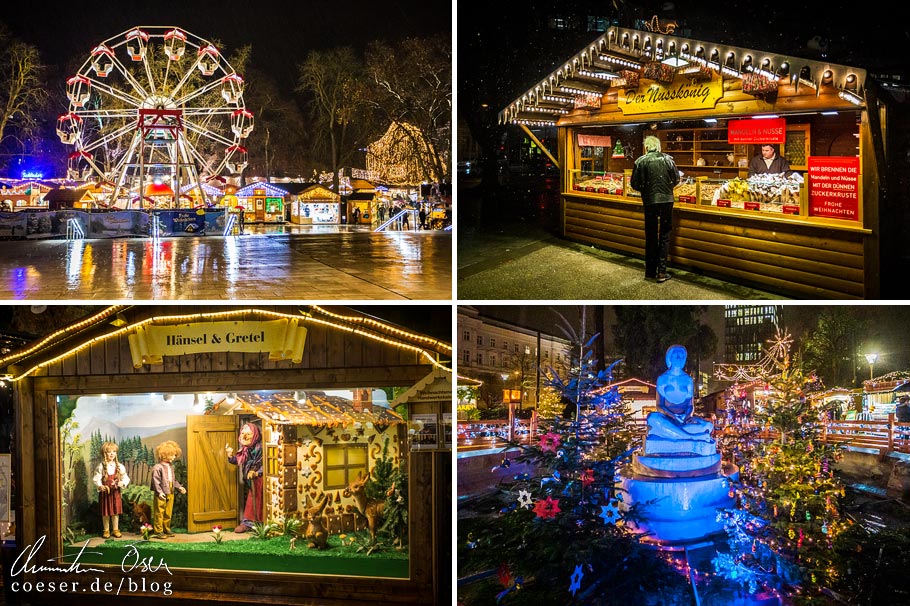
x=303, y=316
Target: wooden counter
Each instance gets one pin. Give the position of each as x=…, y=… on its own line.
x=790, y=256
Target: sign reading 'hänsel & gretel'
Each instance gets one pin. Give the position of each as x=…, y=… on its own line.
x=685, y=93
x=282, y=339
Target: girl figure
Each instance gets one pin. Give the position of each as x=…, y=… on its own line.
x=164, y=483
x=249, y=458
x=110, y=476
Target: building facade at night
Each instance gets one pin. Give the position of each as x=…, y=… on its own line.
x=747, y=328
x=488, y=347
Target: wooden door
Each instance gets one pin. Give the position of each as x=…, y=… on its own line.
x=212, y=485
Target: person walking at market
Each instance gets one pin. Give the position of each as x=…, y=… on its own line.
x=422, y=215
x=380, y=212
x=768, y=162
x=902, y=410
x=655, y=175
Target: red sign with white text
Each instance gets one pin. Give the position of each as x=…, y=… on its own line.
x=834, y=187
x=767, y=130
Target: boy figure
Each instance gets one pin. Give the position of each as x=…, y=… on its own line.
x=164, y=481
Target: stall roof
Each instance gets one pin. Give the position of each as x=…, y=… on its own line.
x=591, y=70
x=270, y=189
x=315, y=409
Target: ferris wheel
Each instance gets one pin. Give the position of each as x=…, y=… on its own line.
x=155, y=106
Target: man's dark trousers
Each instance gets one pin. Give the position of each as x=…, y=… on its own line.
x=658, y=223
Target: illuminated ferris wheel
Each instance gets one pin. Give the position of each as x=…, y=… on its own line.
x=155, y=106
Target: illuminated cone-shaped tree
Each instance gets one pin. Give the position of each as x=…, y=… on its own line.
x=555, y=534
x=788, y=499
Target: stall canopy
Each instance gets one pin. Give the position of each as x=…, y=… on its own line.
x=620, y=56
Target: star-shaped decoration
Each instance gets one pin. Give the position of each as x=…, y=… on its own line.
x=549, y=442
x=576, y=580
x=547, y=508
x=524, y=499
x=306, y=471
x=609, y=513
x=587, y=477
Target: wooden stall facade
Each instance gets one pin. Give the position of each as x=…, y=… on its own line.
x=343, y=350
x=621, y=88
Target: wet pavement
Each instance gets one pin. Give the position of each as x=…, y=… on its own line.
x=508, y=249
x=269, y=263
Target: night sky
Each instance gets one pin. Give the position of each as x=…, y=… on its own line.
x=505, y=48
x=280, y=32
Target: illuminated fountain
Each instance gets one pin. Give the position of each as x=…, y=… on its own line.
x=678, y=478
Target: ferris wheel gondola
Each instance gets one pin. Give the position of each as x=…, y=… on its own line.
x=155, y=105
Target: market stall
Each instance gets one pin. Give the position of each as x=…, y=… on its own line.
x=316, y=205
x=313, y=386
x=810, y=232
x=262, y=202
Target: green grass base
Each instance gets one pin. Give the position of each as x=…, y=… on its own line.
x=272, y=555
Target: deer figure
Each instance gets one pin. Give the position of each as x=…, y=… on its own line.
x=372, y=510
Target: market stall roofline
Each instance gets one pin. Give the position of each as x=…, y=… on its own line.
x=95, y=329
x=641, y=46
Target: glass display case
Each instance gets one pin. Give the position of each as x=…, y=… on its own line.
x=597, y=182
x=767, y=193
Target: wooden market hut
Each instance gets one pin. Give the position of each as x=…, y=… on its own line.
x=316, y=205
x=712, y=106
x=240, y=350
x=63, y=198
x=262, y=202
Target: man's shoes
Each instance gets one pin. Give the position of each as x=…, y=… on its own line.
x=242, y=528
x=116, y=534
x=105, y=535
x=160, y=535
x=663, y=277
x=170, y=534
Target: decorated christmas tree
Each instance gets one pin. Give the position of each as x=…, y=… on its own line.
x=788, y=510
x=555, y=534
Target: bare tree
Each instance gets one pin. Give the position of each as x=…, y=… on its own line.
x=22, y=89
x=414, y=86
x=340, y=111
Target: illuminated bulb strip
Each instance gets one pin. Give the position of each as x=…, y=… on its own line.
x=375, y=337
x=618, y=61
x=808, y=83
x=206, y=317
x=578, y=91
x=469, y=379
x=384, y=326
x=601, y=75
x=548, y=110
x=558, y=99
x=72, y=328
x=848, y=96
x=535, y=122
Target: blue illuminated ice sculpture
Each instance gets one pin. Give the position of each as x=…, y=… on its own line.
x=677, y=477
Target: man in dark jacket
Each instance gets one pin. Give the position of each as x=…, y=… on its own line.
x=768, y=162
x=902, y=409
x=655, y=175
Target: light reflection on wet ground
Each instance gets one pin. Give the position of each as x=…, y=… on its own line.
x=337, y=264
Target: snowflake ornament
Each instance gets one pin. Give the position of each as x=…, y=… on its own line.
x=524, y=499
x=576, y=580
x=609, y=513
x=547, y=508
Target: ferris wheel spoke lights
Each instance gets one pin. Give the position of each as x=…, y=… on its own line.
x=154, y=104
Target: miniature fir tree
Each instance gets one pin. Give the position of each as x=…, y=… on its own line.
x=554, y=534
x=788, y=499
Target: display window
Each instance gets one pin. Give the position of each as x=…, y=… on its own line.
x=716, y=157
x=298, y=494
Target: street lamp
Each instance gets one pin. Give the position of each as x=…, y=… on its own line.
x=871, y=358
